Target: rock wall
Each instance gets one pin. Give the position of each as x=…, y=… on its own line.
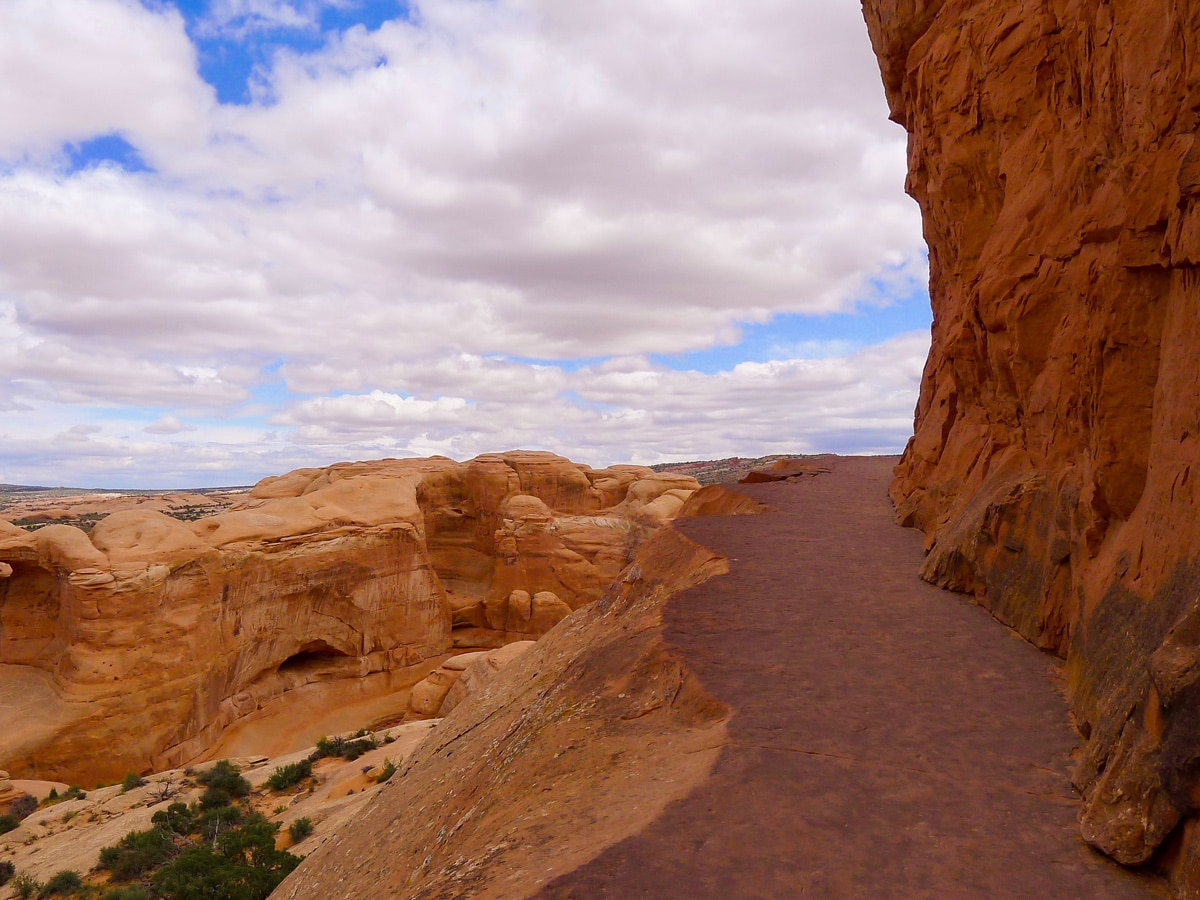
x=137, y=646
x=1054, y=150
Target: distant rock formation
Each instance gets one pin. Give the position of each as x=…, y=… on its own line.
x=137, y=646
x=1054, y=148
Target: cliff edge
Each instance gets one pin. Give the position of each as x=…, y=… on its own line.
x=1053, y=151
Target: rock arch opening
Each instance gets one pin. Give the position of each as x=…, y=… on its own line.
x=313, y=657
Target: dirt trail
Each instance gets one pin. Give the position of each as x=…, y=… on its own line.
x=889, y=739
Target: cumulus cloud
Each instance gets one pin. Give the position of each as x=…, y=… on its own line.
x=407, y=216
x=631, y=409
x=75, y=69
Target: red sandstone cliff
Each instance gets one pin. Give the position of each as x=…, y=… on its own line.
x=1054, y=148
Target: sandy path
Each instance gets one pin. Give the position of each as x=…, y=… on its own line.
x=889, y=739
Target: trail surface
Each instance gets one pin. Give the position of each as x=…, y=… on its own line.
x=888, y=739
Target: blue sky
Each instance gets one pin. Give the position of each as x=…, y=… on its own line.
x=240, y=236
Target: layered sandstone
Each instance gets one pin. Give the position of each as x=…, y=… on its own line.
x=139, y=645
x=1054, y=150
x=582, y=740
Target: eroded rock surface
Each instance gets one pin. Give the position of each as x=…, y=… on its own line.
x=579, y=742
x=1054, y=148
x=137, y=646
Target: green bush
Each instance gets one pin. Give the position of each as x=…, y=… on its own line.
x=225, y=776
x=137, y=853
x=289, y=775
x=74, y=792
x=132, y=780
x=9, y=823
x=355, y=749
x=327, y=747
x=388, y=770
x=300, y=829
x=215, y=798
x=214, y=821
x=125, y=892
x=177, y=818
x=245, y=866
x=7, y=871
x=63, y=884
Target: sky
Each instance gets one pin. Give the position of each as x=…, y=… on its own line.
x=242, y=236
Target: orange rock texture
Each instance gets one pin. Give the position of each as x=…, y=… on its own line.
x=1054, y=148
x=136, y=646
x=583, y=740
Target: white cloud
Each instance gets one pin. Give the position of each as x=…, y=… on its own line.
x=632, y=409
x=168, y=425
x=239, y=17
x=420, y=207
x=75, y=69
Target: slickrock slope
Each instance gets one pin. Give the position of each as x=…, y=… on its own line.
x=815, y=721
x=137, y=646
x=70, y=834
x=582, y=741
x=1054, y=148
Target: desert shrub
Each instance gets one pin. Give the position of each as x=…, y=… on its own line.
x=74, y=792
x=9, y=823
x=7, y=871
x=355, y=749
x=254, y=841
x=53, y=795
x=176, y=817
x=131, y=781
x=137, y=853
x=214, y=821
x=125, y=892
x=245, y=866
x=225, y=776
x=327, y=747
x=25, y=886
x=339, y=746
x=289, y=775
x=300, y=829
x=215, y=798
x=63, y=884
x=22, y=806
x=388, y=770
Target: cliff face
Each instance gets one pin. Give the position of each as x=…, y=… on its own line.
x=138, y=646
x=1054, y=150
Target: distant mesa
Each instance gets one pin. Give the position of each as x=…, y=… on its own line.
x=152, y=641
